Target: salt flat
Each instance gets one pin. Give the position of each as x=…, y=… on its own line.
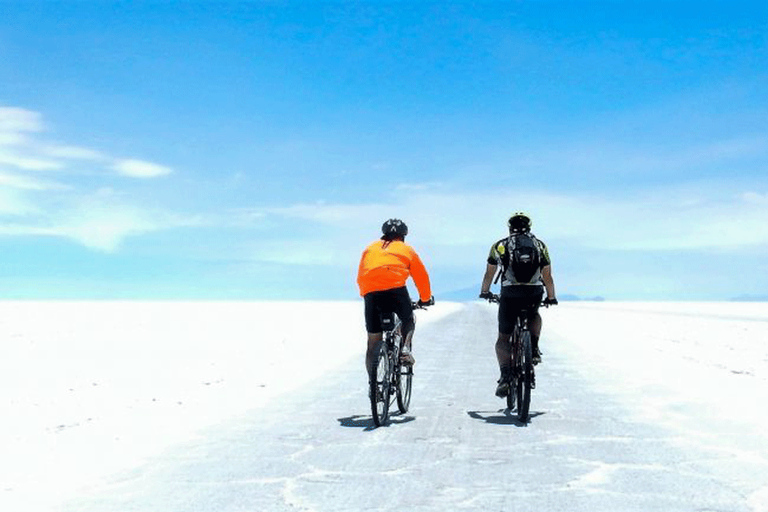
x=262, y=406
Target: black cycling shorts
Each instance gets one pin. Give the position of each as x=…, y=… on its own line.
x=396, y=300
x=513, y=301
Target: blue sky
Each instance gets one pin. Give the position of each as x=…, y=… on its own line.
x=250, y=150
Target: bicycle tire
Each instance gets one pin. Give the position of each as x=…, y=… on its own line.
x=511, y=395
x=380, y=384
x=523, y=388
x=404, y=386
x=515, y=373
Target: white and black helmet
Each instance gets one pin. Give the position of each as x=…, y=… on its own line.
x=519, y=222
x=394, y=228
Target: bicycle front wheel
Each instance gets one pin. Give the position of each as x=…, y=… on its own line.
x=525, y=376
x=379, y=385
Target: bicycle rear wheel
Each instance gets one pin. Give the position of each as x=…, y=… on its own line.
x=511, y=394
x=515, y=378
x=379, y=385
x=524, y=364
x=404, y=383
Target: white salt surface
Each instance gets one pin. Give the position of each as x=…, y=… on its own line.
x=90, y=388
x=639, y=406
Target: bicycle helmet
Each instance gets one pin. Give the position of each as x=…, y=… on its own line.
x=394, y=228
x=519, y=222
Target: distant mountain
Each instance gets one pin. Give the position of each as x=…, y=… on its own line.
x=569, y=297
x=461, y=295
x=750, y=298
x=467, y=294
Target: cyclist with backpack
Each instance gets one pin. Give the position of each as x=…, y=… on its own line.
x=384, y=268
x=526, y=271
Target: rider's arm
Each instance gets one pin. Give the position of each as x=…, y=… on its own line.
x=549, y=283
x=490, y=271
x=494, y=257
x=361, y=271
x=420, y=277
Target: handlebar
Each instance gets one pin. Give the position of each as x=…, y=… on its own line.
x=494, y=298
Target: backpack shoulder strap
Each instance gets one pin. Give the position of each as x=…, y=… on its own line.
x=504, y=243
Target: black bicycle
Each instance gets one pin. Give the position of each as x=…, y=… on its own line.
x=391, y=379
x=523, y=374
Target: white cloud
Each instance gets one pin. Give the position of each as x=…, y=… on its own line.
x=12, y=139
x=15, y=120
x=22, y=147
x=32, y=205
x=665, y=221
x=454, y=228
x=140, y=169
x=25, y=162
x=298, y=252
x=101, y=221
x=105, y=229
x=14, y=203
x=24, y=182
x=73, y=153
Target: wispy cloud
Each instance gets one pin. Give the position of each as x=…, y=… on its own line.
x=101, y=221
x=14, y=203
x=23, y=148
x=18, y=120
x=73, y=153
x=10, y=157
x=455, y=226
x=140, y=169
x=40, y=194
x=26, y=182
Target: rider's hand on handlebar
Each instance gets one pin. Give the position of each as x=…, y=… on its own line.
x=430, y=302
x=486, y=295
x=550, y=302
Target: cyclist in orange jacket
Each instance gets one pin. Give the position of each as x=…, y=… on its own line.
x=384, y=268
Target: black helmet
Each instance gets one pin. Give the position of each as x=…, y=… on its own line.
x=520, y=222
x=394, y=228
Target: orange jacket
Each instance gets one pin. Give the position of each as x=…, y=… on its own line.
x=387, y=265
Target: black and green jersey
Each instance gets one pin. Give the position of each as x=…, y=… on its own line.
x=500, y=254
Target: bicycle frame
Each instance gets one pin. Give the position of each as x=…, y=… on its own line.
x=393, y=381
x=523, y=375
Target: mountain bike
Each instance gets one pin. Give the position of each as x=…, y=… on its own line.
x=523, y=374
x=392, y=380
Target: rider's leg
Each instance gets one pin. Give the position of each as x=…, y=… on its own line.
x=373, y=337
x=535, y=325
x=504, y=350
x=507, y=315
x=504, y=357
x=408, y=322
x=372, y=326
x=408, y=329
